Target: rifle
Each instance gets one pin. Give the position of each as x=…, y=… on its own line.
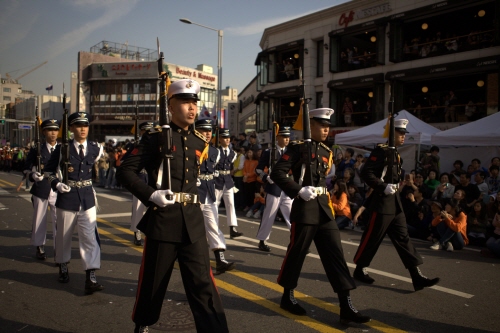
x=272, y=160
x=306, y=133
x=136, y=125
x=38, y=164
x=64, y=164
x=216, y=129
x=392, y=145
x=167, y=144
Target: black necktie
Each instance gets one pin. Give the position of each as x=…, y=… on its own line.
x=51, y=150
x=225, y=152
x=81, y=152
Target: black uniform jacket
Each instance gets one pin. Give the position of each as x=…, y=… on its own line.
x=39, y=189
x=371, y=173
x=180, y=223
x=307, y=212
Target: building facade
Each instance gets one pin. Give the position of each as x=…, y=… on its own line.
x=437, y=59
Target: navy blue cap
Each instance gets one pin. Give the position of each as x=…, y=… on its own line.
x=79, y=117
x=284, y=130
x=205, y=124
x=224, y=133
x=50, y=124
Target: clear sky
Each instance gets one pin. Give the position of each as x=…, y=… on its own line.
x=34, y=31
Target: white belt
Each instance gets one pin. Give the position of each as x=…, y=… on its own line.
x=206, y=177
x=81, y=183
x=224, y=172
x=321, y=190
x=186, y=198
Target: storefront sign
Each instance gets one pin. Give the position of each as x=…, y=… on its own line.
x=205, y=80
x=248, y=101
x=124, y=70
x=347, y=18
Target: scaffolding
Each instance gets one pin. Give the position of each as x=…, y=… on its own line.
x=124, y=51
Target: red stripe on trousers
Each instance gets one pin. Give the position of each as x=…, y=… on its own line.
x=367, y=237
x=141, y=273
x=292, y=238
x=213, y=280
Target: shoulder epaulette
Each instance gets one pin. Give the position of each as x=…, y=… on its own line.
x=325, y=146
x=200, y=136
x=297, y=142
x=382, y=145
x=156, y=129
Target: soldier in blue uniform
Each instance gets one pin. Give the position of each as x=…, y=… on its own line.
x=224, y=184
x=206, y=189
x=275, y=198
x=76, y=203
x=386, y=213
x=174, y=228
x=43, y=195
x=138, y=207
x=312, y=219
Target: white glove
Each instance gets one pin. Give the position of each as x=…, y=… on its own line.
x=63, y=188
x=37, y=176
x=198, y=182
x=216, y=173
x=159, y=198
x=308, y=193
x=269, y=180
x=390, y=189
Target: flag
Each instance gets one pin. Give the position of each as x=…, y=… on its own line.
x=133, y=130
x=214, y=112
x=204, y=112
x=387, y=128
x=49, y=88
x=298, y=123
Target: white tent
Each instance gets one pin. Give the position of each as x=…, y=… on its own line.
x=369, y=136
x=482, y=132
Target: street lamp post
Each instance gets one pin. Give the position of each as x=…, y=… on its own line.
x=218, y=105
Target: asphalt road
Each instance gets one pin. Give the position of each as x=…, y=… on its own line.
x=32, y=300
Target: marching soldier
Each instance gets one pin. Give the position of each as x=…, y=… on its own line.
x=224, y=184
x=76, y=203
x=387, y=216
x=174, y=228
x=312, y=219
x=275, y=198
x=42, y=194
x=206, y=189
x=138, y=207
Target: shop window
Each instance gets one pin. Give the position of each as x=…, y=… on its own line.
x=470, y=29
x=7, y=90
x=357, y=51
x=320, y=51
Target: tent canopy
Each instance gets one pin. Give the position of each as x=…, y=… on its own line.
x=419, y=132
x=482, y=132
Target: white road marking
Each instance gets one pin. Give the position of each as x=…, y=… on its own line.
x=105, y=216
x=114, y=197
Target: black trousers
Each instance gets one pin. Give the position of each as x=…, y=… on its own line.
x=326, y=237
x=156, y=268
x=395, y=227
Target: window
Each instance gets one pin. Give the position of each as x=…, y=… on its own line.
x=319, y=58
x=7, y=98
x=7, y=90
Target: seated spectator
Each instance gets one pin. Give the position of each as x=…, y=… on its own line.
x=436, y=208
x=477, y=224
x=458, y=168
x=452, y=228
x=493, y=243
x=493, y=180
x=493, y=206
x=476, y=167
x=259, y=203
x=444, y=190
x=346, y=162
x=418, y=183
x=431, y=180
x=348, y=176
x=472, y=194
x=495, y=161
x=482, y=185
x=340, y=205
x=355, y=199
x=416, y=211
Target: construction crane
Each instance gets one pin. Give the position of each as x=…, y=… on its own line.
x=11, y=80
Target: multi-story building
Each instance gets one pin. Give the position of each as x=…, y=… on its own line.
x=356, y=55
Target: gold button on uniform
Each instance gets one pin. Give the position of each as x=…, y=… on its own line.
x=187, y=181
x=186, y=148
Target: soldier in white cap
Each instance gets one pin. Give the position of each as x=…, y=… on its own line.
x=43, y=195
x=312, y=219
x=386, y=213
x=174, y=227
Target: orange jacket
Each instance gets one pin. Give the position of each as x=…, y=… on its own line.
x=341, y=206
x=260, y=199
x=458, y=224
x=249, y=170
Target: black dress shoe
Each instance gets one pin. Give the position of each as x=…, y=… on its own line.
x=348, y=315
x=361, y=274
x=420, y=281
x=40, y=253
x=290, y=304
x=141, y=329
x=234, y=234
x=63, y=273
x=138, y=239
x=223, y=266
x=264, y=247
x=91, y=287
